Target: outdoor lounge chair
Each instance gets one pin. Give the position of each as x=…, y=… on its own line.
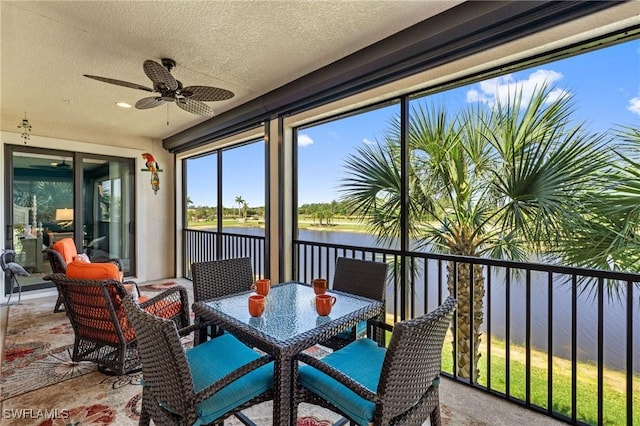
x=202, y=385
x=102, y=330
x=369, y=384
x=62, y=253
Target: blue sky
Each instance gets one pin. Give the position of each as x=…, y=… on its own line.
x=605, y=85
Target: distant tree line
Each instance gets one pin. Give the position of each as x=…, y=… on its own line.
x=322, y=214
x=208, y=213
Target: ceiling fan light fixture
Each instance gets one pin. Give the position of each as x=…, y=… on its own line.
x=190, y=98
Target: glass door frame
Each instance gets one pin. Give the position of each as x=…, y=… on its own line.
x=128, y=228
x=78, y=202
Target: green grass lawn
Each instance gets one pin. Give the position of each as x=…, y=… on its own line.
x=614, y=409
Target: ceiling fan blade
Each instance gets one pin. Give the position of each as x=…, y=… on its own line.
x=119, y=82
x=207, y=93
x=152, y=102
x=195, y=107
x=159, y=75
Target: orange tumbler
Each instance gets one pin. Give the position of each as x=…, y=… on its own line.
x=256, y=305
x=319, y=285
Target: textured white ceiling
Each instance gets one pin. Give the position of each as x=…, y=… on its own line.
x=248, y=47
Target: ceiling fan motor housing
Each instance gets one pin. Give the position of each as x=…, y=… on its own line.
x=168, y=63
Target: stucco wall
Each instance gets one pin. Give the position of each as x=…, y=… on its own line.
x=154, y=214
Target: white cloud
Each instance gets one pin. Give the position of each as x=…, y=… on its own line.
x=473, y=96
x=304, y=140
x=634, y=105
x=503, y=87
x=368, y=142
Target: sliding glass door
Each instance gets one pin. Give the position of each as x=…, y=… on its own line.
x=107, y=188
x=42, y=208
x=59, y=194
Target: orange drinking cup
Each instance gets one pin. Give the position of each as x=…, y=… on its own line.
x=324, y=302
x=261, y=286
x=319, y=285
x=256, y=304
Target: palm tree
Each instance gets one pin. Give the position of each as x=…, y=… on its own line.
x=239, y=201
x=500, y=182
x=607, y=235
x=244, y=210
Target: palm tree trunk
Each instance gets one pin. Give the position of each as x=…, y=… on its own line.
x=465, y=353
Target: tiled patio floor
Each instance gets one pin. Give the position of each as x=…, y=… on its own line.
x=488, y=409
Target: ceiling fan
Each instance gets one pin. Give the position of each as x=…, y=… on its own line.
x=190, y=98
x=53, y=166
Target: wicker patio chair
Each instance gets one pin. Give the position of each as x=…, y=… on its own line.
x=363, y=278
x=63, y=252
x=202, y=385
x=219, y=278
x=369, y=384
x=102, y=331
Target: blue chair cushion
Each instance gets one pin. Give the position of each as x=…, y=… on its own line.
x=361, y=330
x=362, y=362
x=214, y=359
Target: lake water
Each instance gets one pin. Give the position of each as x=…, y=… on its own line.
x=587, y=311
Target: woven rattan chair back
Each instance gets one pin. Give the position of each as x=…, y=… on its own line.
x=360, y=277
x=412, y=365
x=167, y=377
x=363, y=278
x=58, y=265
x=219, y=278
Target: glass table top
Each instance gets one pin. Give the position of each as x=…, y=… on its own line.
x=289, y=310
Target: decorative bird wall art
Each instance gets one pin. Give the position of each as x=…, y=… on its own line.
x=152, y=166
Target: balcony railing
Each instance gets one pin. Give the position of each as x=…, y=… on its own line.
x=203, y=246
x=547, y=331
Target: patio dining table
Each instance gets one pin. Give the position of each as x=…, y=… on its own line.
x=288, y=325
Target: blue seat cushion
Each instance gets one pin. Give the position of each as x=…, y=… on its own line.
x=361, y=330
x=214, y=359
x=362, y=362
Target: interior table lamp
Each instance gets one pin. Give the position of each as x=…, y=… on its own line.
x=64, y=217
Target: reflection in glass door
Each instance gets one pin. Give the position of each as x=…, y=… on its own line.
x=107, y=191
x=42, y=210
x=51, y=199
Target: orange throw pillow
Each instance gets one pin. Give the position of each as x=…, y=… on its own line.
x=93, y=271
x=67, y=248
